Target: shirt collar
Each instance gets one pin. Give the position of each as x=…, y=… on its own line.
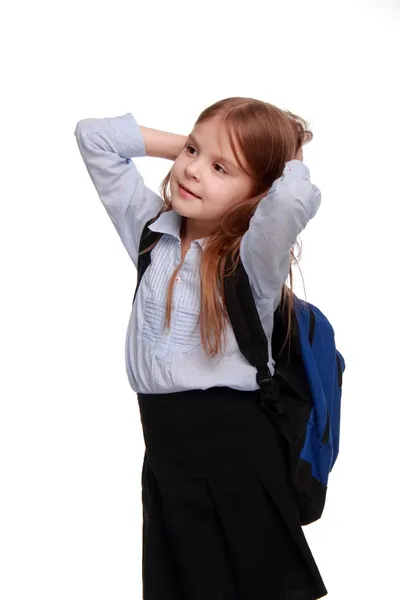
x=170, y=222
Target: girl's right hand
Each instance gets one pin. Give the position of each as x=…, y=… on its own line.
x=162, y=144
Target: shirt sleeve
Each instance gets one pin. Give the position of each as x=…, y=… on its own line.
x=106, y=146
x=279, y=218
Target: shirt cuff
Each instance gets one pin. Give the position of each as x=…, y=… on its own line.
x=127, y=136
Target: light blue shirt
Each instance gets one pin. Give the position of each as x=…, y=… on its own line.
x=160, y=361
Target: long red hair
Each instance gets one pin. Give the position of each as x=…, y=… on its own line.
x=267, y=137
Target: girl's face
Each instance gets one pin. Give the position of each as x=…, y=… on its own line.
x=207, y=169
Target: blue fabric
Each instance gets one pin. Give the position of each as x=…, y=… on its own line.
x=322, y=361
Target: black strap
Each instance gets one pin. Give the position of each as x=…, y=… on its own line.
x=253, y=344
x=311, y=330
x=148, y=238
x=242, y=311
x=248, y=330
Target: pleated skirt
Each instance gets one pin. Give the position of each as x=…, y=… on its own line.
x=219, y=519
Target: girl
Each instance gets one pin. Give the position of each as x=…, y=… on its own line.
x=219, y=522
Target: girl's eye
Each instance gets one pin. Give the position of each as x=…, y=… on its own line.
x=189, y=147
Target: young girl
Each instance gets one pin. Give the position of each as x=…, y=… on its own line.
x=219, y=521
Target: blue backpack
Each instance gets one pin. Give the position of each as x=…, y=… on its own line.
x=303, y=397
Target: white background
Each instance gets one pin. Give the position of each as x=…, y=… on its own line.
x=71, y=445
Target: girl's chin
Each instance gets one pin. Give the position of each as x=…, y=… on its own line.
x=185, y=208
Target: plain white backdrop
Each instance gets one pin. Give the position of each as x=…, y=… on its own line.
x=71, y=445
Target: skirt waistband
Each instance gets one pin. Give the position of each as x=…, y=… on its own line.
x=217, y=392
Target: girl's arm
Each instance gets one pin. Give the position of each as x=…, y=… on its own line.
x=278, y=220
x=106, y=146
x=162, y=144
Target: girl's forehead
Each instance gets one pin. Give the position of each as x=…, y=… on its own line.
x=211, y=132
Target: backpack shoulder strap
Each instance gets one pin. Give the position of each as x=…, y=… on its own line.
x=147, y=239
x=285, y=396
x=246, y=324
x=249, y=332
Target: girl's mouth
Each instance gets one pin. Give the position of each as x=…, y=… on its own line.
x=186, y=193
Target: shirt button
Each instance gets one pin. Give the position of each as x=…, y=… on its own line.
x=177, y=279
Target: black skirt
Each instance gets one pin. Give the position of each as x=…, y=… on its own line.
x=219, y=519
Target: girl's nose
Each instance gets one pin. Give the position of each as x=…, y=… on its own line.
x=193, y=169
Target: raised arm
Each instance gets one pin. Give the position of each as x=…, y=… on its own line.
x=161, y=143
x=106, y=146
x=279, y=218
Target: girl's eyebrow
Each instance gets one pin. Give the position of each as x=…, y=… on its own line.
x=225, y=160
